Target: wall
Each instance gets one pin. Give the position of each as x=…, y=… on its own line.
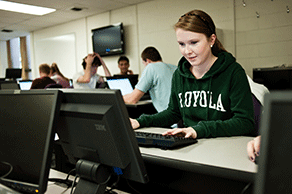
x=265, y=41
x=256, y=42
x=3, y=58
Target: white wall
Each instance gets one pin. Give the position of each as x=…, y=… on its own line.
x=256, y=42
x=265, y=41
x=78, y=28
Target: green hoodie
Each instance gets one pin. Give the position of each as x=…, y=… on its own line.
x=218, y=104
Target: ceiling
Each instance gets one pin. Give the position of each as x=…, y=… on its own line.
x=22, y=24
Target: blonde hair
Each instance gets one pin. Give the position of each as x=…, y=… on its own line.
x=55, y=69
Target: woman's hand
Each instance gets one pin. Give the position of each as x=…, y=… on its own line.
x=184, y=132
x=135, y=124
x=253, y=148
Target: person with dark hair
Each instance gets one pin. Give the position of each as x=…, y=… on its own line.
x=150, y=53
x=87, y=79
x=44, y=80
x=156, y=78
x=124, y=64
x=210, y=92
x=58, y=77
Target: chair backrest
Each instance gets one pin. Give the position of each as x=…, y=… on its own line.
x=257, y=114
x=258, y=93
x=54, y=86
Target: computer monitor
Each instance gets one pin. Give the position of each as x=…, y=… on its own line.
x=133, y=78
x=120, y=84
x=13, y=73
x=25, y=84
x=9, y=85
x=274, y=165
x=27, y=123
x=94, y=128
x=274, y=78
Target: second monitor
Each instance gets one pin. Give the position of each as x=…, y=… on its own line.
x=95, y=131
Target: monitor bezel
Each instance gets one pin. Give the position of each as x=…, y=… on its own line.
x=121, y=44
x=48, y=149
x=265, y=132
x=9, y=71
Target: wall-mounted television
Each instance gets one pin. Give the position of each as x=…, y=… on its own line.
x=108, y=40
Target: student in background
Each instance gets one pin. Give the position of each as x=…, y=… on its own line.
x=156, y=78
x=124, y=64
x=253, y=148
x=87, y=79
x=44, y=80
x=210, y=92
x=58, y=77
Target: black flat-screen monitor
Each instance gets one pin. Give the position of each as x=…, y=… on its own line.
x=275, y=159
x=9, y=85
x=108, y=40
x=13, y=73
x=27, y=123
x=94, y=128
x=274, y=78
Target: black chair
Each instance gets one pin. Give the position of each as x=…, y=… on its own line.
x=53, y=86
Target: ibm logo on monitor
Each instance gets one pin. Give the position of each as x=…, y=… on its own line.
x=100, y=127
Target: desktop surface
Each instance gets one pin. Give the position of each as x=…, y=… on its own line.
x=221, y=156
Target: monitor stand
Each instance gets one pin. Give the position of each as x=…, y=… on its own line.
x=93, y=177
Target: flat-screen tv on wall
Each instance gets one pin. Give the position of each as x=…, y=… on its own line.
x=108, y=40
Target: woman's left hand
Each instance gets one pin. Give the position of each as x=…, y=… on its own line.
x=184, y=132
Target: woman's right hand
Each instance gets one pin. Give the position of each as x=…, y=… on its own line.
x=135, y=124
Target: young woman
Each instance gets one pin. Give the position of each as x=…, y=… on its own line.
x=58, y=77
x=210, y=91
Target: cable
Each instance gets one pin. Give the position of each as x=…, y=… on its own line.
x=70, y=172
x=132, y=187
x=113, y=186
x=74, y=184
x=245, y=188
x=11, y=169
x=65, y=181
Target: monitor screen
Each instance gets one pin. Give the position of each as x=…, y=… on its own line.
x=133, y=78
x=12, y=73
x=27, y=123
x=274, y=166
x=120, y=84
x=108, y=40
x=25, y=84
x=94, y=126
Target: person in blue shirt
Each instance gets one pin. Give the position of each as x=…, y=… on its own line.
x=156, y=78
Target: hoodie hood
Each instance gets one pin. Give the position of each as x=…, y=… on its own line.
x=223, y=61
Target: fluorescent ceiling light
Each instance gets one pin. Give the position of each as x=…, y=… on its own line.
x=22, y=8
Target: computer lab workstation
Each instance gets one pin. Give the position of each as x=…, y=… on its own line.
x=58, y=141
x=96, y=137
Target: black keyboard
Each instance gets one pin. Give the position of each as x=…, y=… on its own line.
x=20, y=187
x=164, y=142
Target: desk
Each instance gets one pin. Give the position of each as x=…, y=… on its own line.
x=213, y=165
